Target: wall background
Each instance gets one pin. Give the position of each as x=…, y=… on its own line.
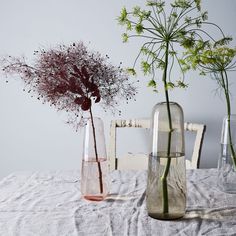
x=34, y=137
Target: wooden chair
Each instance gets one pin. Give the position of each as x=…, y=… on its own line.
x=140, y=161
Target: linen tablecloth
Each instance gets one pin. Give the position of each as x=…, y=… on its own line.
x=50, y=204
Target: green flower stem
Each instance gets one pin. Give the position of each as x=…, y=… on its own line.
x=96, y=153
x=226, y=91
x=165, y=201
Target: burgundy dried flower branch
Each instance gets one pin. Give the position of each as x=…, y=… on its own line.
x=71, y=78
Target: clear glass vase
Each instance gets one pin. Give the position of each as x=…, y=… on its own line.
x=166, y=186
x=94, y=170
x=226, y=164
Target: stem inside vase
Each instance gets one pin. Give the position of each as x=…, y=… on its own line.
x=96, y=153
x=167, y=167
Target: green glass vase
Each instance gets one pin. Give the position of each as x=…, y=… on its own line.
x=166, y=186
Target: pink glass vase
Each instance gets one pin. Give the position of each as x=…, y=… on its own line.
x=94, y=162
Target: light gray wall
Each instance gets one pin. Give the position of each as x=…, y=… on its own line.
x=33, y=136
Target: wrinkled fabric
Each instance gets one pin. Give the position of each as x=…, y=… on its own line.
x=50, y=204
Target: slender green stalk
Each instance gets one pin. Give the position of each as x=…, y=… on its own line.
x=165, y=201
x=96, y=153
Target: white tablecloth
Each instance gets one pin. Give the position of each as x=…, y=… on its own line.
x=50, y=204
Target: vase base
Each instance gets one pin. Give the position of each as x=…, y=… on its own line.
x=160, y=216
x=94, y=198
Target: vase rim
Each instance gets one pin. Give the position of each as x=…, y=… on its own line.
x=233, y=116
x=94, y=117
x=170, y=102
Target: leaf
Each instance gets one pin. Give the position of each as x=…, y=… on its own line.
x=77, y=73
x=198, y=23
x=131, y=71
x=160, y=4
x=146, y=14
x=74, y=74
x=198, y=4
x=84, y=78
x=62, y=74
x=170, y=85
x=139, y=28
x=62, y=88
x=136, y=11
x=151, y=3
x=223, y=41
x=95, y=93
x=72, y=81
x=172, y=53
x=86, y=104
x=188, y=19
x=184, y=4
x=187, y=43
x=85, y=72
x=128, y=25
x=202, y=73
x=76, y=69
x=79, y=100
x=97, y=99
x=161, y=64
x=144, y=50
x=91, y=87
x=74, y=86
x=205, y=16
x=125, y=37
x=152, y=83
x=146, y=67
x=123, y=16
x=181, y=84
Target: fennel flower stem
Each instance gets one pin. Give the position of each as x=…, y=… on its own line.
x=165, y=201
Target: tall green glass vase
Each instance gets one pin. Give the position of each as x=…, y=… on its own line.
x=166, y=186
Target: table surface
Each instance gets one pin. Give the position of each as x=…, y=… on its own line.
x=50, y=203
